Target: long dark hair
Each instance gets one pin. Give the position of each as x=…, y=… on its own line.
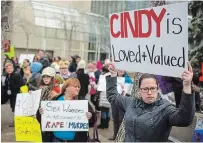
x=50, y=84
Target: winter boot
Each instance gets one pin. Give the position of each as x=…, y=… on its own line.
x=102, y=124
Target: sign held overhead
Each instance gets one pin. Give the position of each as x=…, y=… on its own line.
x=152, y=40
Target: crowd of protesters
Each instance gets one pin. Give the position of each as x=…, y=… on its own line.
x=80, y=80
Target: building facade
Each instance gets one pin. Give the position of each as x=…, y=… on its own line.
x=60, y=28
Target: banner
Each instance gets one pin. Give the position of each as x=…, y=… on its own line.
x=27, y=129
x=65, y=115
x=27, y=104
x=152, y=40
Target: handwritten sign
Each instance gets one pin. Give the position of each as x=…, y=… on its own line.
x=152, y=40
x=27, y=129
x=102, y=83
x=65, y=115
x=27, y=104
x=30, y=57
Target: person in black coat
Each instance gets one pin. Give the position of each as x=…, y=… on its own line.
x=84, y=80
x=12, y=85
x=73, y=65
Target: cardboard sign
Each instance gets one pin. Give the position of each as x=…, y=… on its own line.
x=11, y=52
x=27, y=129
x=30, y=57
x=65, y=115
x=27, y=104
x=152, y=40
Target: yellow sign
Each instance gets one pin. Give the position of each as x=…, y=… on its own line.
x=24, y=89
x=27, y=129
x=10, y=54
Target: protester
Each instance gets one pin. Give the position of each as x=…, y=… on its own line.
x=92, y=80
x=26, y=64
x=13, y=82
x=83, y=78
x=149, y=116
x=44, y=59
x=64, y=72
x=104, y=104
x=35, y=79
x=70, y=91
x=98, y=71
x=73, y=65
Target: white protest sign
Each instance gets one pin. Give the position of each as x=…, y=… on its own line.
x=128, y=88
x=152, y=40
x=30, y=57
x=102, y=83
x=65, y=115
x=27, y=104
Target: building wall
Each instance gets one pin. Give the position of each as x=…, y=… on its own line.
x=26, y=35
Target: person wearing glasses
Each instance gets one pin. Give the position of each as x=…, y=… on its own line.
x=148, y=117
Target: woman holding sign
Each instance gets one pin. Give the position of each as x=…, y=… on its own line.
x=70, y=91
x=148, y=117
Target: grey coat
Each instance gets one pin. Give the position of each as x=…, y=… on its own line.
x=150, y=122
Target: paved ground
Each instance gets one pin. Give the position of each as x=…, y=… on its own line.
x=8, y=135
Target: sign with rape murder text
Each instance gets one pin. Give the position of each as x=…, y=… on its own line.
x=152, y=40
x=65, y=115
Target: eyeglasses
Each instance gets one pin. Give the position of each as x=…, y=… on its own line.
x=146, y=89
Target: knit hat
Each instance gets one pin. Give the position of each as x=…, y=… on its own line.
x=81, y=65
x=36, y=67
x=49, y=71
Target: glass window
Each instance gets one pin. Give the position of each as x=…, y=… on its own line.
x=39, y=13
x=40, y=21
x=54, y=23
x=91, y=57
x=51, y=15
x=52, y=9
x=40, y=31
x=37, y=6
x=51, y=33
x=68, y=18
x=60, y=34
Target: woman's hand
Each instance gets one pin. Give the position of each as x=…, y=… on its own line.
x=41, y=111
x=89, y=115
x=112, y=70
x=187, y=79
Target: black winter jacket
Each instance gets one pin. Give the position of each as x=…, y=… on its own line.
x=150, y=122
x=13, y=82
